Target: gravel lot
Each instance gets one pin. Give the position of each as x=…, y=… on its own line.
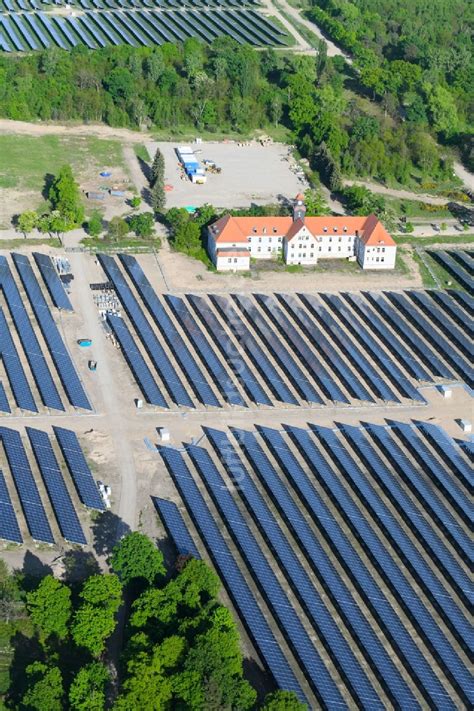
x=250, y=174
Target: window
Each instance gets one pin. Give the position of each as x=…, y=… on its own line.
x=279, y=239
x=320, y=248
x=311, y=254
x=229, y=260
x=325, y=229
x=329, y=249
x=259, y=239
x=269, y=249
x=382, y=259
x=259, y=249
x=275, y=231
x=304, y=254
x=383, y=249
x=235, y=260
x=330, y=239
x=254, y=230
x=264, y=231
x=340, y=239
x=249, y=239
x=334, y=229
x=338, y=249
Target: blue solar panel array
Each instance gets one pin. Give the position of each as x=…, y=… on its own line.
x=236, y=585
x=25, y=484
x=377, y=561
x=14, y=369
x=52, y=281
x=56, y=487
x=180, y=351
x=59, y=353
x=175, y=527
x=9, y=529
x=82, y=476
x=155, y=350
x=4, y=404
x=31, y=346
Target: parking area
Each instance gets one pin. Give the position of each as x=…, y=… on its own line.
x=250, y=173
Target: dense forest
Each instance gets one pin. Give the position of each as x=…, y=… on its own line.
x=181, y=647
x=415, y=56
x=317, y=102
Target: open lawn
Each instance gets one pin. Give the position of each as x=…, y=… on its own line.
x=26, y=160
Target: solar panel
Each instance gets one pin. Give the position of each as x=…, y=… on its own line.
x=59, y=353
x=14, y=369
x=454, y=269
x=78, y=468
x=236, y=585
x=304, y=353
x=329, y=633
x=419, y=527
x=229, y=351
x=364, y=367
x=419, y=569
x=371, y=646
x=384, y=360
x=389, y=339
x=136, y=362
x=249, y=344
x=25, y=484
x=156, y=353
x=66, y=515
x=454, y=310
x=404, y=330
x=175, y=527
x=218, y=372
x=419, y=667
x=4, y=404
x=325, y=349
x=449, y=452
x=52, y=281
x=167, y=328
x=455, y=336
x=286, y=361
x=39, y=367
x=315, y=669
x=431, y=502
x=9, y=529
x=465, y=260
x=460, y=364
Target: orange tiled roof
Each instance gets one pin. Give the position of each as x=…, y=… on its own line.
x=230, y=229
x=233, y=253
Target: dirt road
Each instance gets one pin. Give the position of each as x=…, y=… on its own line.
x=46, y=129
x=403, y=194
x=464, y=175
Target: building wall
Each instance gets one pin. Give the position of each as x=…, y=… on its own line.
x=377, y=257
x=232, y=264
x=265, y=246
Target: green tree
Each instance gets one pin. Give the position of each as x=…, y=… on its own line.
x=87, y=690
x=315, y=203
x=45, y=688
x=65, y=196
x=27, y=221
x=157, y=168
x=91, y=628
x=142, y=224
x=158, y=197
x=94, y=224
x=50, y=607
x=103, y=591
x=283, y=701
x=135, y=556
x=135, y=202
x=117, y=229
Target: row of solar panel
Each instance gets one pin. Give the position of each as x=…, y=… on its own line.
x=59, y=354
x=35, y=515
x=403, y=635
x=38, y=30
x=459, y=265
x=26, y=5
x=291, y=350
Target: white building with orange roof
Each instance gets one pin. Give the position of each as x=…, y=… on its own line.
x=233, y=241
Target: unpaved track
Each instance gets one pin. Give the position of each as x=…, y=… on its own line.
x=48, y=129
x=403, y=194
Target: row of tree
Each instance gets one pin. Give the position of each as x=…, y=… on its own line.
x=181, y=645
x=227, y=87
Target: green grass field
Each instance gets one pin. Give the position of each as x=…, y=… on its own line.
x=26, y=160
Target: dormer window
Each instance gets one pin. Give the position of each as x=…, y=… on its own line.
x=264, y=231
x=325, y=229
x=254, y=230
x=345, y=229
x=335, y=229
x=275, y=230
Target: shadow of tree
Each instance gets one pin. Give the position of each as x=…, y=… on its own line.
x=145, y=168
x=32, y=571
x=26, y=651
x=79, y=565
x=48, y=181
x=107, y=529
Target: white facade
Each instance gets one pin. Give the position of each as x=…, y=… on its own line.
x=300, y=240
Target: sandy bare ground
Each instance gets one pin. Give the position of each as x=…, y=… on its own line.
x=402, y=194
x=93, y=129
x=464, y=175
